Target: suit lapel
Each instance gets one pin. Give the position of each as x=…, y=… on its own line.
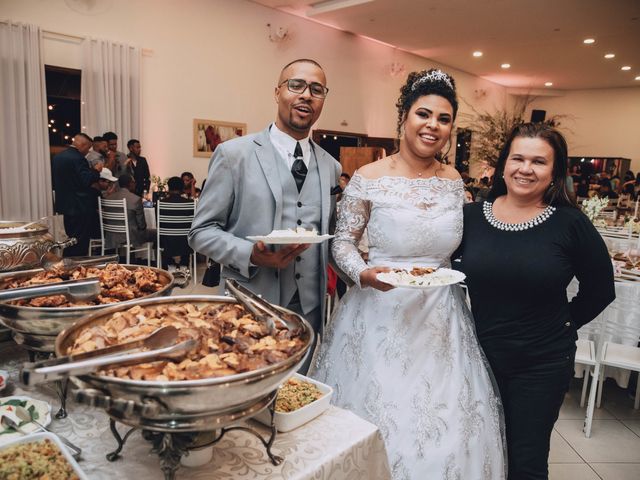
x=325, y=187
x=267, y=158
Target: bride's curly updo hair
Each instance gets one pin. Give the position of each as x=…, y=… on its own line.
x=426, y=82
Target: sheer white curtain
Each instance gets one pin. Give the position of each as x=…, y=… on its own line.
x=110, y=90
x=25, y=168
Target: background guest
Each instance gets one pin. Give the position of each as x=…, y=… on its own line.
x=75, y=185
x=117, y=161
x=138, y=167
x=98, y=154
x=189, y=185
x=138, y=232
x=519, y=251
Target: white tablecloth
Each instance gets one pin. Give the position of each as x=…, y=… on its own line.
x=150, y=217
x=590, y=331
x=336, y=445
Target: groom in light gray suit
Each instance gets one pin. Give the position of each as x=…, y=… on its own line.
x=273, y=180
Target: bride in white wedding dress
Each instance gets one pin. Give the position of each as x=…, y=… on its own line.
x=408, y=360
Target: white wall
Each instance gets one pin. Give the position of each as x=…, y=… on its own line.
x=604, y=122
x=212, y=59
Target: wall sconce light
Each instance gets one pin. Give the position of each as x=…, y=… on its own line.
x=397, y=69
x=278, y=34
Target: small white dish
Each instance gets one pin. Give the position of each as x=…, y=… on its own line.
x=41, y=437
x=440, y=278
x=6, y=408
x=287, y=421
x=4, y=378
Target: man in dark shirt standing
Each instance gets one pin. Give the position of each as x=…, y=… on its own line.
x=138, y=166
x=73, y=182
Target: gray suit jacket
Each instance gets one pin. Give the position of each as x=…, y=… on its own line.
x=135, y=215
x=242, y=197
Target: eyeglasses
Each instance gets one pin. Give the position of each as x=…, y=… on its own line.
x=297, y=85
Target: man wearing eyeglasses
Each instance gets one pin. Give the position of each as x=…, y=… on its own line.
x=276, y=179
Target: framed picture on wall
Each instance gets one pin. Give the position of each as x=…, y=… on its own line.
x=208, y=134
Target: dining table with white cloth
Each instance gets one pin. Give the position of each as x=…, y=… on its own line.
x=150, y=217
x=337, y=445
x=590, y=332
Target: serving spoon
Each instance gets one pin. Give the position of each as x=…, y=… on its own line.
x=161, y=345
x=24, y=415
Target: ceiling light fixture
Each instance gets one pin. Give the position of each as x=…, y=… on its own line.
x=332, y=5
x=477, y=53
x=505, y=65
x=625, y=68
x=610, y=55
x=548, y=84
x=589, y=41
x=638, y=77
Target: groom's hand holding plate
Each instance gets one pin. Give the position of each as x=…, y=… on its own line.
x=261, y=256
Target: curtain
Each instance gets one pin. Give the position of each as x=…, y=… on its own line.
x=25, y=166
x=110, y=90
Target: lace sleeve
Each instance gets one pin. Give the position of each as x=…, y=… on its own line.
x=353, y=216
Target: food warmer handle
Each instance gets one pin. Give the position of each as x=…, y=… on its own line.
x=127, y=408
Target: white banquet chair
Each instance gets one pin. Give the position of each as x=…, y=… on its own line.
x=114, y=219
x=174, y=220
x=585, y=346
x=617, y=344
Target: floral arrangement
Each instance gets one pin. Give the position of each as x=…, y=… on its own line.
x=159, y=183
x=490, y=130
x=593, y=206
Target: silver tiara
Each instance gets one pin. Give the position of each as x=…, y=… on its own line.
x=433, y=76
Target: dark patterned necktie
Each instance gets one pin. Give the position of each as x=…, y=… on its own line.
x=298, y=169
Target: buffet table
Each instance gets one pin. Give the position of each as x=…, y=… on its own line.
x=336, y=445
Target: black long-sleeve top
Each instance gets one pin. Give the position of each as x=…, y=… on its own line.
x=518, y=281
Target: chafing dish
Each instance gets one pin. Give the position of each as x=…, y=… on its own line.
x=185, y=405
x=37, y=327
x=22, y=248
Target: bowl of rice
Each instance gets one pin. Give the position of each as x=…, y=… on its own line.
x=300, y=399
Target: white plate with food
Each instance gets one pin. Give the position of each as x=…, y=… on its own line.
x=300, y=399
x=291, y=236
x=39, y=410
x=41, y=455
x=421, y=277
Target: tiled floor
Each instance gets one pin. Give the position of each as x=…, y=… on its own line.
x=612, y=452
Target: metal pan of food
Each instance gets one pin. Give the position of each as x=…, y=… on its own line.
x=237, y=363
x=36, y=322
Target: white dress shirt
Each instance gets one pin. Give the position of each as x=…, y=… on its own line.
x=285, y=145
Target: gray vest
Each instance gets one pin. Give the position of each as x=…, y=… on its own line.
x=302, y=209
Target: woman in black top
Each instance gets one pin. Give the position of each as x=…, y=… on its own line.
x=520, y=250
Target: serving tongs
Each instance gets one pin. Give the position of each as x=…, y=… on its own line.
x=50, y=261
x=160, y=345
x=260, y=308
x=75, y=290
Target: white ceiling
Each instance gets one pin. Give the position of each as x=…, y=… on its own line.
x=541, y=39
